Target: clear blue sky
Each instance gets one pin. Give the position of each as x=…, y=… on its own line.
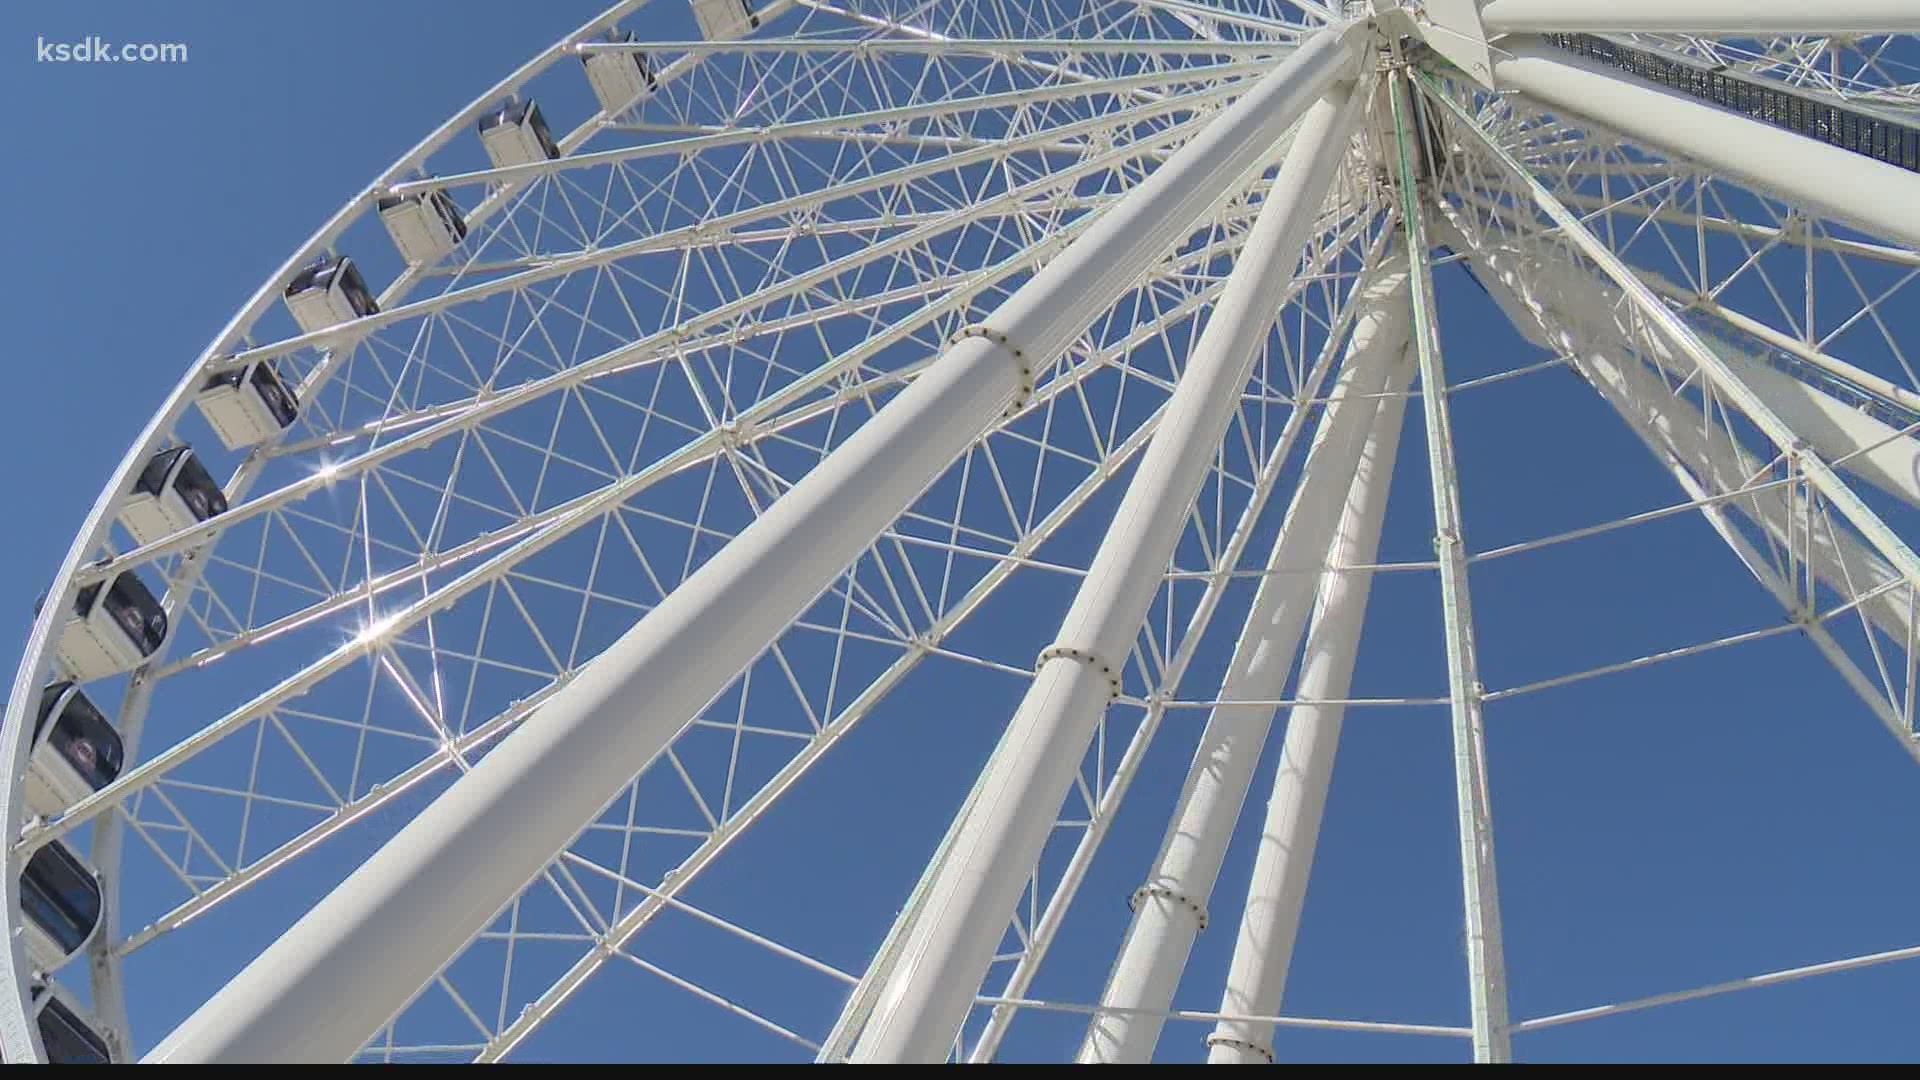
x=1709, y=819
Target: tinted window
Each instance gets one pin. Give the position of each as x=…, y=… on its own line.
x=137, y=612
x=274, y=394
x=68, y=1041
x=84, y=738
x=229, y=378
x=196, y=485
x=155, y=474
x=58, y=893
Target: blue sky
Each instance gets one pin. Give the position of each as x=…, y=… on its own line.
x=1708, y=819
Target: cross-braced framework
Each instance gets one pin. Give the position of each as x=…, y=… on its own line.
x=874, y=472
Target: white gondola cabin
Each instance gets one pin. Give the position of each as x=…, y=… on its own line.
x=516, y=134
x=60, y=897
x=113, y=626
x=245, y=405
x=68, y=1033
x=327, y=293
x=424, y=225
x=174, y=491
x=724, y=20
x=76, y=751
x=618, y=77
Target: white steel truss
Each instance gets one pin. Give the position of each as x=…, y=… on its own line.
x=639, y=590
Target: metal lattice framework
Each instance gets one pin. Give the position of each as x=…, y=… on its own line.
x=727, y=596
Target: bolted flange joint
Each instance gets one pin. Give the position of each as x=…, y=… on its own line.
x=1241, y=1044
x=1068, y=652
x=1163, y=892
x=1020, y=363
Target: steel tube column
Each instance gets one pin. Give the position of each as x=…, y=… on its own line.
x=1744, y=17
x=970, y=892
x=357, y=958
x=1169, y=910
x=1277, y=890
x=1878, y=197
x=1486, y=964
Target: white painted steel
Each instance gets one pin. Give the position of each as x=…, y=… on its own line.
x=1168, y=907
x=1666, y=330
x=1486, y=963
x=1283, y=862
x=1044, y=931
x=1704, y=460
x=19, y=1040
x=1880, y=198
x=361, y=954
x=1703, y=16
x=971, y=894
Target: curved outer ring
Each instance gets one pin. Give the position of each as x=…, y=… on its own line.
x=19, y=1035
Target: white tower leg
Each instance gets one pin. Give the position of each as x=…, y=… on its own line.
x=1277, y=890
x=355, y=960
x=967, y=899
x=1169, y=909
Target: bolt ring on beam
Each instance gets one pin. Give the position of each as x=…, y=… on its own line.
x=1019, y=355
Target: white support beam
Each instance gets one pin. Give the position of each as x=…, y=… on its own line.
x=1169, y=909
x=1854, y=440
x=970, y=893
x=358, y=957
x=1875, y=196
x=1743, y=17
x=1644, y=319
x=1042, y=934
x=1486, y=964
x=1277, y=889
x=1706, y=462
x=1543, y=296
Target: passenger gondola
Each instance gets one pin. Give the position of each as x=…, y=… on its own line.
x=424, y=225
x=67, y=1033
x=174, y=491
x=112, y=628
x=245, y=405
x=328, y=292
x=60, y=897
x=516, y=134
x=618, y=77
x=725, y=20
x=76, y=751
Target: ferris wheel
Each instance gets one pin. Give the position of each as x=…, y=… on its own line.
x=852, y=530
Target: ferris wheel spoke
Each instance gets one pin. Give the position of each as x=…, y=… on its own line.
x=831, y=126
x=1698, y=16
x=1662, y=334
x=688, y=870
x=749, y=428
x=1762, y=289
x=763, y=421
x=1716, y=476
x=1752, y=982
x=621, y=358
x=357, y=809
x=714, y=230
x=1706, y=457
x=1836, y=182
